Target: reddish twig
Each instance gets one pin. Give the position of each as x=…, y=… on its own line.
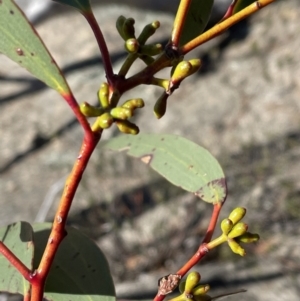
x=15, y=261
x=229, y=10
x=212, y=223
x=70, y=99
x=202, y=250
x=102, y=46
x=57, y=234
x=27, y=295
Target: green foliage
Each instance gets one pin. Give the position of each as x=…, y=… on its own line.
x=196, y=21
x=18, y=238
x=180, y=161
x=21, y=43
x=80, y=271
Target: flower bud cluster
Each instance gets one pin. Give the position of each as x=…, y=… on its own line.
x=133, y=45
x=235, y=231
x=190, y=289
x=107, y=115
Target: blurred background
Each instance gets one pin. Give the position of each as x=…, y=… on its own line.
x=243, y=106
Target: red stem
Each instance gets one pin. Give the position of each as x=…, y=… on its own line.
x=27, y=296
x=58, y=229
x=145, y=76
x=202, y=250
x=15, y=261
x=212, y=224
x=229, y=10
x=70, y=99
x=102, y=46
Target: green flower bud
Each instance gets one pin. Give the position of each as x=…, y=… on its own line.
x=105, y=120
x=161, y=105
x=175, y=63
x=127, y=127
x=148, y=31
x=119, y=25
x=237, y=214
x=248, y=237
x=203, y=298
x=238, y=230
x=226, y=226
x=192, y=280
x=151, y=49
x=90, y=111
x=236, y=248
x=161, y=82
x=179, y=298
x=132, y=45
x=201, y=289
x=182, y=70
x=103, y=95
x=133, y=104
x=121, y=113
x=196, y=64
x=128, y=29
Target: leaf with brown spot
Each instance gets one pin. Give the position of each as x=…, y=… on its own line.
x=180, y=161
x=18, y=39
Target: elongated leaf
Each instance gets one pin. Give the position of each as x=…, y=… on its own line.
x=197, y=19
x=241, y=4
x=21, y=43
x=180, y=161
x=81, y=5
x=80, y=271
x=18, y=238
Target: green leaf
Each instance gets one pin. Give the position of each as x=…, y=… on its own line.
x=80, y=271
x=180, y=161
x=81, y=5
x=196, y=20
x=241, y=4
x=18, y=238
x=21, y=43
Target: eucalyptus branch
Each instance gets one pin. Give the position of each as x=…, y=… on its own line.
x=102, y=46
x=58, y=229
x=15, y=261
x=223, y=26
x=179, y=21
